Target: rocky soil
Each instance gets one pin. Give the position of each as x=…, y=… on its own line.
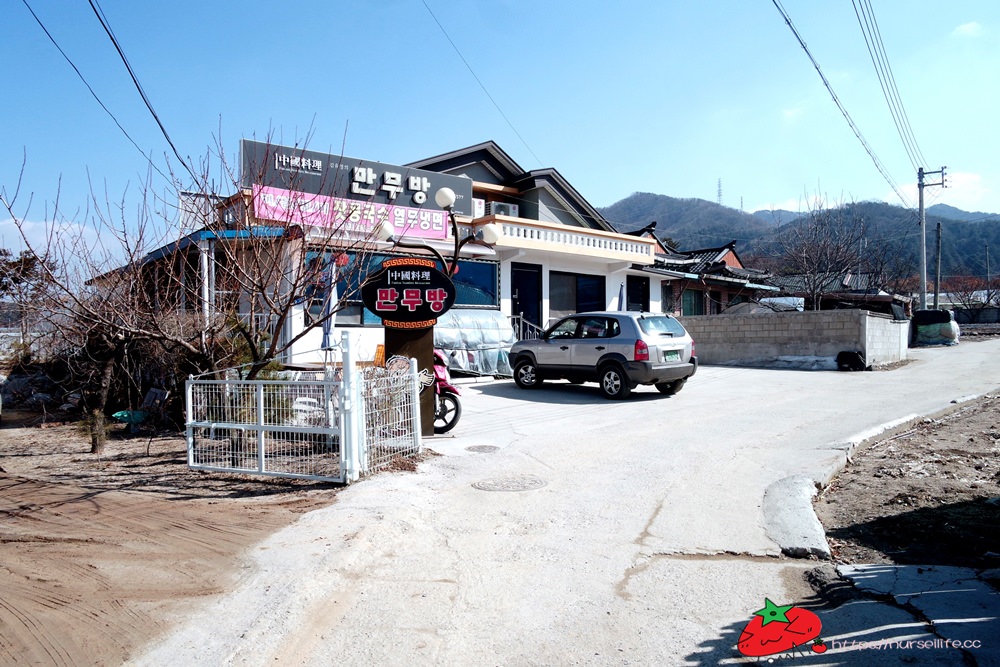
x=927, y=496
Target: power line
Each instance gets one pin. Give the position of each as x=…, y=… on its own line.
x=92, y=92
x=481, y=85
x=142, y=93
x=876, y=50
x=843, y=111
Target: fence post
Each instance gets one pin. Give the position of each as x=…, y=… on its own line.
x=352, y=436
x=260, y=426
x=189, y=417
x=415, y=388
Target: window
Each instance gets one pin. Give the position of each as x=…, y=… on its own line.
x=637, y=293
x=574, y=293
x=599, y=327
x=693, y=302
x=715, y=301
x=667, y=303
x=661, y=324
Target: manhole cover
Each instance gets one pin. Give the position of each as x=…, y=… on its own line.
x=514, y=483
x=482, y=449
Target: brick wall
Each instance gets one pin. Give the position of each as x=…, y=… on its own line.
x=760, y=339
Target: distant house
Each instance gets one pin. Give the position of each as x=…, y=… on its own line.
x=845, y=291
x=706, y=281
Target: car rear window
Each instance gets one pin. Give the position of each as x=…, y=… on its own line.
x=661, y=325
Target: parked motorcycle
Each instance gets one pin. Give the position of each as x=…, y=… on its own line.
x=447, y=407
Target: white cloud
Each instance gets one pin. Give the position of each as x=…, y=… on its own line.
x=68, y=242
x=968, y=192
x=971, y=29
x=963, y=190
x=12, y=239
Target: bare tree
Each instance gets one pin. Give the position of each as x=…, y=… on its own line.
x=970, y=292
x=820, y=249
x=222, y=292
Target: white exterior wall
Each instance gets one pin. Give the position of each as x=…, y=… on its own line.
x=614, y=276
x=307, y=350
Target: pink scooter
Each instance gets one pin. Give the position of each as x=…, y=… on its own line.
x=447, y=408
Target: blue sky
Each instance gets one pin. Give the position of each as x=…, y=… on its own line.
x=658, y=96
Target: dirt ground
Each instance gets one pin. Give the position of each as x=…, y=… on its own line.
x=98, y=553
x=927, y=496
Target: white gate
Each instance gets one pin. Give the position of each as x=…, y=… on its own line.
x=335, y=429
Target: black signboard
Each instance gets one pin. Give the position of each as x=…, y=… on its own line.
x=300, y=171
x=408, y=293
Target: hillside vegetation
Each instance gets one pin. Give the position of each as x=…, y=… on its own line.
x=697, y=223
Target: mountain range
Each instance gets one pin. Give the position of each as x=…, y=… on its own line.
x=696, y=223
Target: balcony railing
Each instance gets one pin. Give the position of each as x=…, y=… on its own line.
x=551, y=237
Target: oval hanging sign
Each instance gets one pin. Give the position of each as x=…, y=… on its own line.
x=408, y=293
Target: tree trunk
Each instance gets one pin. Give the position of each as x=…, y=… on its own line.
x=98, y=431
x=98, y=434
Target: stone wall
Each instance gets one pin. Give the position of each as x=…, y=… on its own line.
x=797, y=339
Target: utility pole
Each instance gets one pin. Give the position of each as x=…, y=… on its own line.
x=937, y=270
x=923, y=230
x=989, y=290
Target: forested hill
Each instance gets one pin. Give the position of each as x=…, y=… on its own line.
x=697, y=223
x=693, y=223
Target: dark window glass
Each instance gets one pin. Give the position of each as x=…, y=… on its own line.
x=693, y=302
x=660, y=324
x=574, y=293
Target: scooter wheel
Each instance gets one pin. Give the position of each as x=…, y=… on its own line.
x=449, y=410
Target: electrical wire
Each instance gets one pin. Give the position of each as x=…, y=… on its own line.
x=481, y=84
x=142, y=93
x=90, y=88
x=876, y=50
x=850, y=121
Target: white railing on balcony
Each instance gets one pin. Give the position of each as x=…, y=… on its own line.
x=520, y=233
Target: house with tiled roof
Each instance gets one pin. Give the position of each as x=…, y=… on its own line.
x=707, y=281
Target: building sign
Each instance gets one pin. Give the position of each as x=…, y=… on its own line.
x=408, y=293
x=296, y=186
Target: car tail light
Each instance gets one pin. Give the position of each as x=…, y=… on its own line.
x=694, y=350
x=641, y=351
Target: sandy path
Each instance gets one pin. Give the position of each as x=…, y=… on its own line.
x=89, y=573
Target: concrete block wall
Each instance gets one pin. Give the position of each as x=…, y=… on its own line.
x=768, y=339
x=886, y=339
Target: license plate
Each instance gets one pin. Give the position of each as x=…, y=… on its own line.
x=672, y=355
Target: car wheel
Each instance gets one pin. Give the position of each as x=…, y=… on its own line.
x=449, y=410
x=670, y=388
x=614, y=382
x=526, y=375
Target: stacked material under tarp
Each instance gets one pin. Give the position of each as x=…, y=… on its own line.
x=935, y=327
x=475, y=341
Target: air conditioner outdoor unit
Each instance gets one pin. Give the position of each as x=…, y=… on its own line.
x=478, y=207
x=501, y=208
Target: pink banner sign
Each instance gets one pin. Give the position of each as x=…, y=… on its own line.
x=346, y=215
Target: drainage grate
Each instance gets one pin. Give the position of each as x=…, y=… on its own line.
x=482, y=449
x=513, y=483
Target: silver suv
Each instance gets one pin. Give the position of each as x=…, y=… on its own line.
x=617, y=349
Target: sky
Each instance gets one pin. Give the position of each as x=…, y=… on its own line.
x=684, y=99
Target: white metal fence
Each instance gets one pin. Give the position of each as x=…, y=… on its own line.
x=337, y=428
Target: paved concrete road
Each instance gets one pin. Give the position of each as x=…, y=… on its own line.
x=597, y=533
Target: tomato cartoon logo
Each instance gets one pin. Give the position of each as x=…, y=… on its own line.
x=780, y=628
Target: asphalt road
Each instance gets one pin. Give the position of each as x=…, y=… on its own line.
x=596, y=533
